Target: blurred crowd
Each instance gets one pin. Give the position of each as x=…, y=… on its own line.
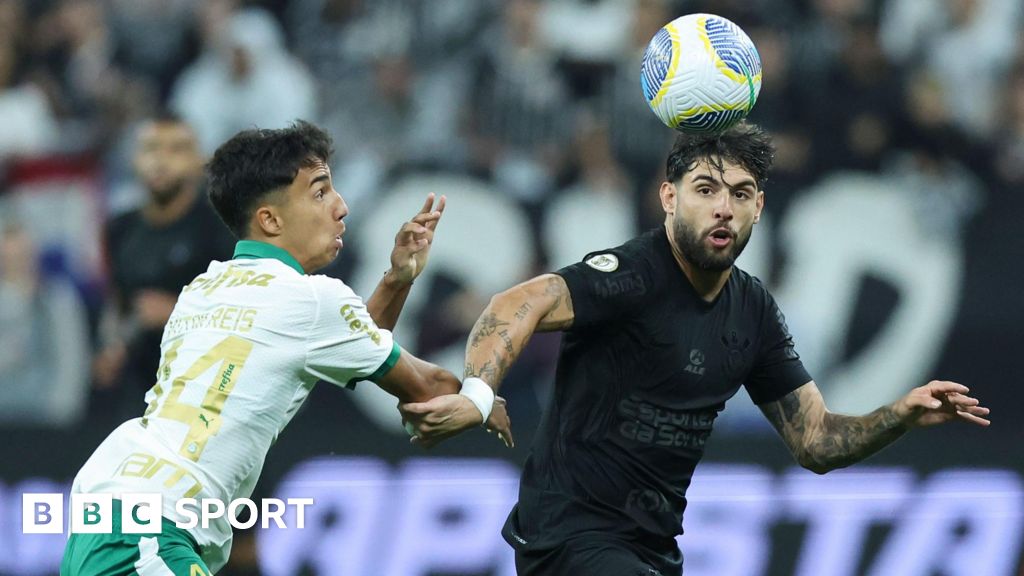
x=538, y=99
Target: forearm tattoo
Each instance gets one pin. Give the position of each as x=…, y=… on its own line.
x=523, y=311
x=501, y=332
x=485, y=326
x=840, y=440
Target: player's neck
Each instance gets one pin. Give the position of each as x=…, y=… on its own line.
x=707, y=283
x=164, y=214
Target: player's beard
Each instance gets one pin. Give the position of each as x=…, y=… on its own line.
x=167, y=193
x=691, y=244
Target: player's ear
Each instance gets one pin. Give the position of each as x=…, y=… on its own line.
x=268, y=220
x=760, y=206
x=668, y=193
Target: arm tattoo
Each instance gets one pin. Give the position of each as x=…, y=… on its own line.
x=554, y=288
x=485, y=326
x=849, y=439
x=487, y=372
x=838, y=441
x=507, y=340
x=503, y=330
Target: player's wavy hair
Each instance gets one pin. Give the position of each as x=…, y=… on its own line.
x=257, y=162
x=745, y=144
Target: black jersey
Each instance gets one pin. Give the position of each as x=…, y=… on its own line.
x=642, y=375
x=143, y=256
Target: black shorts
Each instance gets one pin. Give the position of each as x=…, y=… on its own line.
x=589, y=557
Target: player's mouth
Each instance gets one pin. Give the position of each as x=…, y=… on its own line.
x=721, y=237
x=338, y=237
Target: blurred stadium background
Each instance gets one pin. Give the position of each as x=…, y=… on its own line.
x=892, y=241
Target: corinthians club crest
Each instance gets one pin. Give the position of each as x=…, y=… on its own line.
x=603, y=262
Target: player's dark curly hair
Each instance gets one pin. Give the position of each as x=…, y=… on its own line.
x=745, y=144
x=257, y=162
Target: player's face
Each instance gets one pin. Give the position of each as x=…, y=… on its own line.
x=712, y=213
x=312, y=217
x=167, y=159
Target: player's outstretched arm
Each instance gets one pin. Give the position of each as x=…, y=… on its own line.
x=541, y=304
x=415, y=380
x=822, y=441
x=496, y=340
x=408, y=259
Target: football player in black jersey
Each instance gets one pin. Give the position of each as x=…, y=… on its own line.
x=659, y=333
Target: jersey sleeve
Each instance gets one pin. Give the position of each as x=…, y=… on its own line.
x=605, y=286
x=345, y=345
x=778, y=369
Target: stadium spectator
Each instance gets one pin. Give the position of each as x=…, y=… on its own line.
x=966, y=45
x=521, y=127
x=29, y=124
x=44, y=350
x=155, y=250
x=244, y=77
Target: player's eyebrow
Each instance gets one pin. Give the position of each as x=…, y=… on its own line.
x=320, y=178
x=745, y=183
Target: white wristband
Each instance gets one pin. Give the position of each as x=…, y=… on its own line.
x=480, y=394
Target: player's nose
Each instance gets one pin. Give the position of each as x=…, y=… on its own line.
x=340, y=206
x=723, y=209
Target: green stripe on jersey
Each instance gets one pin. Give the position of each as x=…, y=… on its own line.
x=251, y=249
x=386, y=367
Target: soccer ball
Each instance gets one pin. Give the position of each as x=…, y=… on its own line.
x=700, y=73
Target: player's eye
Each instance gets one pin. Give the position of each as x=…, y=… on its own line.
x=741, y=194
x=320, y=194
x=705, y=191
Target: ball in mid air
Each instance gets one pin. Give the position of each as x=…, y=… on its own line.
x=700, y=73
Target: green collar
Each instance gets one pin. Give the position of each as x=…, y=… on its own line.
x=256, y=249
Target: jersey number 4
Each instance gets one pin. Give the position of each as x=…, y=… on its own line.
x=204, y=421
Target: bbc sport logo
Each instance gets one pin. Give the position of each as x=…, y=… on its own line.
x=43, y=513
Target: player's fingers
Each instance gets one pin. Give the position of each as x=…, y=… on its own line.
x=428, y=204
x=946, y=387
x=414, y=408
x=960, y=400
x=972, y=418
x=439, y=211
x=426, y=218
x=410, y=229
x=506, y=437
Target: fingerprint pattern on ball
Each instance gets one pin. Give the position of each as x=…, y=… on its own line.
x=656, y=62
x=729, y=45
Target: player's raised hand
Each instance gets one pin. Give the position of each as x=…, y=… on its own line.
x=413, y=241
x=445, y=416
x=940, y=401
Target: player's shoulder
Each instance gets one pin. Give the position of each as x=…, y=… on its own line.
x=751, y=289
x=329, y=287
x=631, y=273
x=636, y=255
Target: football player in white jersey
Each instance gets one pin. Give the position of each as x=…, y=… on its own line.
x=246, y=343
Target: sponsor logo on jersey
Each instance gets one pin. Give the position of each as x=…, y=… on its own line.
x=623, y=283
x=647, y=423
x=357, y=325
x=603, y=262
x=696, y=365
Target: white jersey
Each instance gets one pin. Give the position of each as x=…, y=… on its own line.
x=242, y=350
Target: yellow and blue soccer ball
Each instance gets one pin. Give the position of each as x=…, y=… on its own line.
x=701, y=73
